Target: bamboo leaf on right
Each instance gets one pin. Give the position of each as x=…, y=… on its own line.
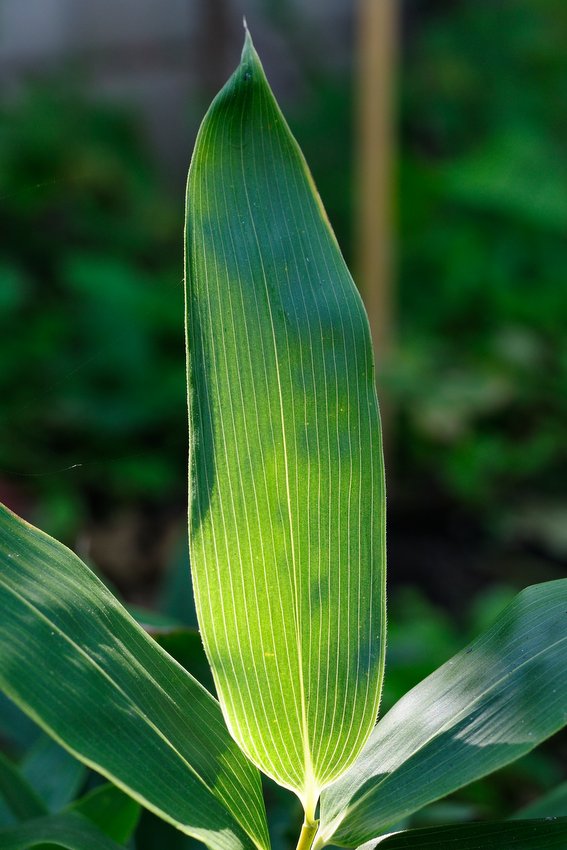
x=486, y=707
x=527, y=835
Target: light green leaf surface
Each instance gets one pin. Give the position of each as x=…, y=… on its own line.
x=70, y=831
x=526, y=835
x=75, y=660
x=112, y=811
x=489, y=705
x=286, y=474
x=19, y=796
x=550, y=805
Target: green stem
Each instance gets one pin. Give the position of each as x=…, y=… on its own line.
x=307, y=834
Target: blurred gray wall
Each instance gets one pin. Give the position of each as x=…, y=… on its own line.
x=157, y=55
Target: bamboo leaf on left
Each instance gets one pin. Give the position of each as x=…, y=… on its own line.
x=70, y=831
x=119, y=703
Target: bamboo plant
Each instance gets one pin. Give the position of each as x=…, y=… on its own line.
x=287, y=545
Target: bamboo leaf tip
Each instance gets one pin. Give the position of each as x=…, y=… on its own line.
x=248, y=46
x=249, y=57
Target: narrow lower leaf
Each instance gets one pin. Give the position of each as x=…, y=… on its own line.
x=17, y=793
x=75, y=660
x=287, y=490
x=550, y=805
x=70, y=831
x=54, y=773
x=489, y=705
x=112, y=811
x=525, y=835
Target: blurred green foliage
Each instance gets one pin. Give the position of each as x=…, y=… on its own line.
x=92, y=372
x=91, y=310
x=481, y=372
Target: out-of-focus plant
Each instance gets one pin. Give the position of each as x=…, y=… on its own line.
x=481, y=374
x=45, y=796
x=91, y=373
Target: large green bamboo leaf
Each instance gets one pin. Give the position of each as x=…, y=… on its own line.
x=489, y=705
x=75, y=661
x=287, y=491
x=527, y=835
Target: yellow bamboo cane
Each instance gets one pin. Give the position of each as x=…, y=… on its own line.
x=377, y=54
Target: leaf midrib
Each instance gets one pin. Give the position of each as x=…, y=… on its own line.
x=308, y=764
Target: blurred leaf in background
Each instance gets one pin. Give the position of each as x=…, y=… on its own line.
x=92, y=373
x=481, y=374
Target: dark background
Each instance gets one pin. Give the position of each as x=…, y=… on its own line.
x=100, y=103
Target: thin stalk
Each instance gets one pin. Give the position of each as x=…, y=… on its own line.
x=307, y=834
